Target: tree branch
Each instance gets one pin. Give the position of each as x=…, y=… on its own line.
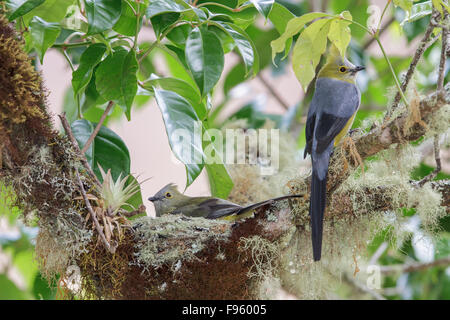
x=75, y=146
x=371, y=40
x=416, y=58
x=272, y=91
x=361, y=287
x=402, y=268
x=107, y=245
x=441, y=76
x=97, y=128
x=437, y=158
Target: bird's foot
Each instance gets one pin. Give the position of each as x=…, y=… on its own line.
x=349, y=145
x=353, y=132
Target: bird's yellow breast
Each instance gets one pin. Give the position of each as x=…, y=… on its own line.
x=344, y=130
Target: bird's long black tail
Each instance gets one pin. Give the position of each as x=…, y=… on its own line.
x=316, y=211
x=265, y=202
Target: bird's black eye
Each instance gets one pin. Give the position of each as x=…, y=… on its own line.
x=342, y=69
x=168, y=195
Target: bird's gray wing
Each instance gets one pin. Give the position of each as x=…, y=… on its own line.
x=309, y=129
x=220, y=208
x=336, y=102
x=328, y=128
x=210, y=208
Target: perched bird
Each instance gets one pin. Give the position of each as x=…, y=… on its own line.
x=169, y=200
x=331, y=113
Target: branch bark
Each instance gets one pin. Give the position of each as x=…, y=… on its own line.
x=412, y=267
x=97, y=128
x=416, y=58
x=75, y=146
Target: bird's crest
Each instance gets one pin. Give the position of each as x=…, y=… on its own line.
x=334, y=54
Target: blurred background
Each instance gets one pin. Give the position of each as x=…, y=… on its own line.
x=274, y=91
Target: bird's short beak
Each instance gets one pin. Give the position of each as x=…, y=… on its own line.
x=359, y=68
x=152, y=199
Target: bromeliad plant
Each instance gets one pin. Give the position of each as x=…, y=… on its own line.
x=116, y=194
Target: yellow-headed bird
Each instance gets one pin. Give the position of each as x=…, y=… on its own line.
x=333, y=107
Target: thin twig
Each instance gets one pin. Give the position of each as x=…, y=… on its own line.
x=417, y=55
x=402, y=268
x=108, y=246
x=74, y=142
x=97, y=128
x=437, y=158
x=72, y=45
x=382, y=30
x=363, y=288
x=430, y=43
x=324, y=6
x=273, y=92
x=378, y=253
x=128, y=214
x=440, y=82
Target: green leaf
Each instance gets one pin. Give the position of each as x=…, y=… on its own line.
x=70, y=107
x=261, y=40
x=176, y=61
x=263, y=6
x=234, y=77
x=82, y=130
x=162, y=22
x=157, y=7
x=43, y=35
x=179, y=35
x=243, y=44
x=307, y=51
x=184, y=89
x=50, y=11
x=205, y=58
x=10, y=291
x=91, y=95
x=292, y=28
x=220, y=181
x=180, y=119
x=340, y=34
x=280, y=16
x=126, y=24
x=25, y=263
x=102, y=15
x=360, y=11
x=418, y=11
x=136, y=200
x=21, y=7
x=88, y=61
x=404, y=4
x=111, y=153
x=116, y=78
x=180, y=56
x=218, y=17
x=107, y=149
x=226, y=40
x=42, y=290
